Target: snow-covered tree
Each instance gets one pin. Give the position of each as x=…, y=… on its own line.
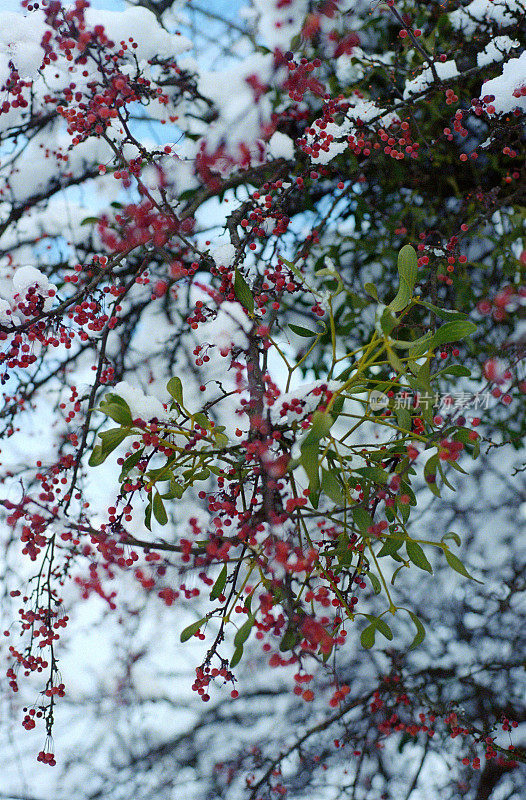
x=261, y=312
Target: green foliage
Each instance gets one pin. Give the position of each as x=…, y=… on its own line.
x=242, y=292
x=328, y=459
x=191, y=630
x=219, y=584
x=407, y=271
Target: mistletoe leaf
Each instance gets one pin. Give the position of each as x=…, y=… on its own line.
x=453, y=332
x=420, y=631
x=299, y=330
x=159, y=510
x=368, y=635
x=243, y=293
x=407, y=272
x=175, y=389
x=192, y=629
x=244, y=631
x=236, y=657
x=219, y=585
x=417, y=556
x=456, y=564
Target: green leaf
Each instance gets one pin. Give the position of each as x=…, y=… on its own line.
x=242, y=292
x=424, y=376
x=397, y=572
x=191, y=630
x=160, y=473
x=403, y=417
x=295, y=42
x=421, y=346
x=376, y=474
x=175, y=388
x=130, y=463
x=395, y=362
x=390, y=548
x=407, y=271
x=453, y=331
x=430, y=474
x=148, y=516
x=175, y=492
x=299, y=330
x=219, y=585
x=367, y=636
x=405, y=488
x=112, y=439
x=244, y=631
x=420, y=631
x=404, y=344
x=443, y=313
x=294, y=269
x=384, y=628
x=371, y=289
x=98, y=456
x=290, y=639
x=462, y=435
x=221, y=439
x=116, y=409
x=362, y=518
x=457, y=370
x=201, y=420
x=456, y=564
x=331, y=487
x=187, y=194
x=458, y=468
x=416, y=385
x=236, y=657
x=337, y=406
x=451, y=535
x=201, y=475
x=417, y=555
x=377, y=586
x=159, y=510
x=344, y=554
x=388, y=321
x=320, y=427
x=90, y=221
x=443, y=476
x=327, y=654
x=309, y=462
x=248, y=602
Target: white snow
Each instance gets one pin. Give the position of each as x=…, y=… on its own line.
x=228, y=329
x=444, y=70
x=281, y=146
x=140, y=404
x=20, y=38
x=501, y=12
x=496, y=50
x=141, y=25
x=367, y=111
x=506, y=86
x=240, y=119
x=14, y=290
x=223, y=254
